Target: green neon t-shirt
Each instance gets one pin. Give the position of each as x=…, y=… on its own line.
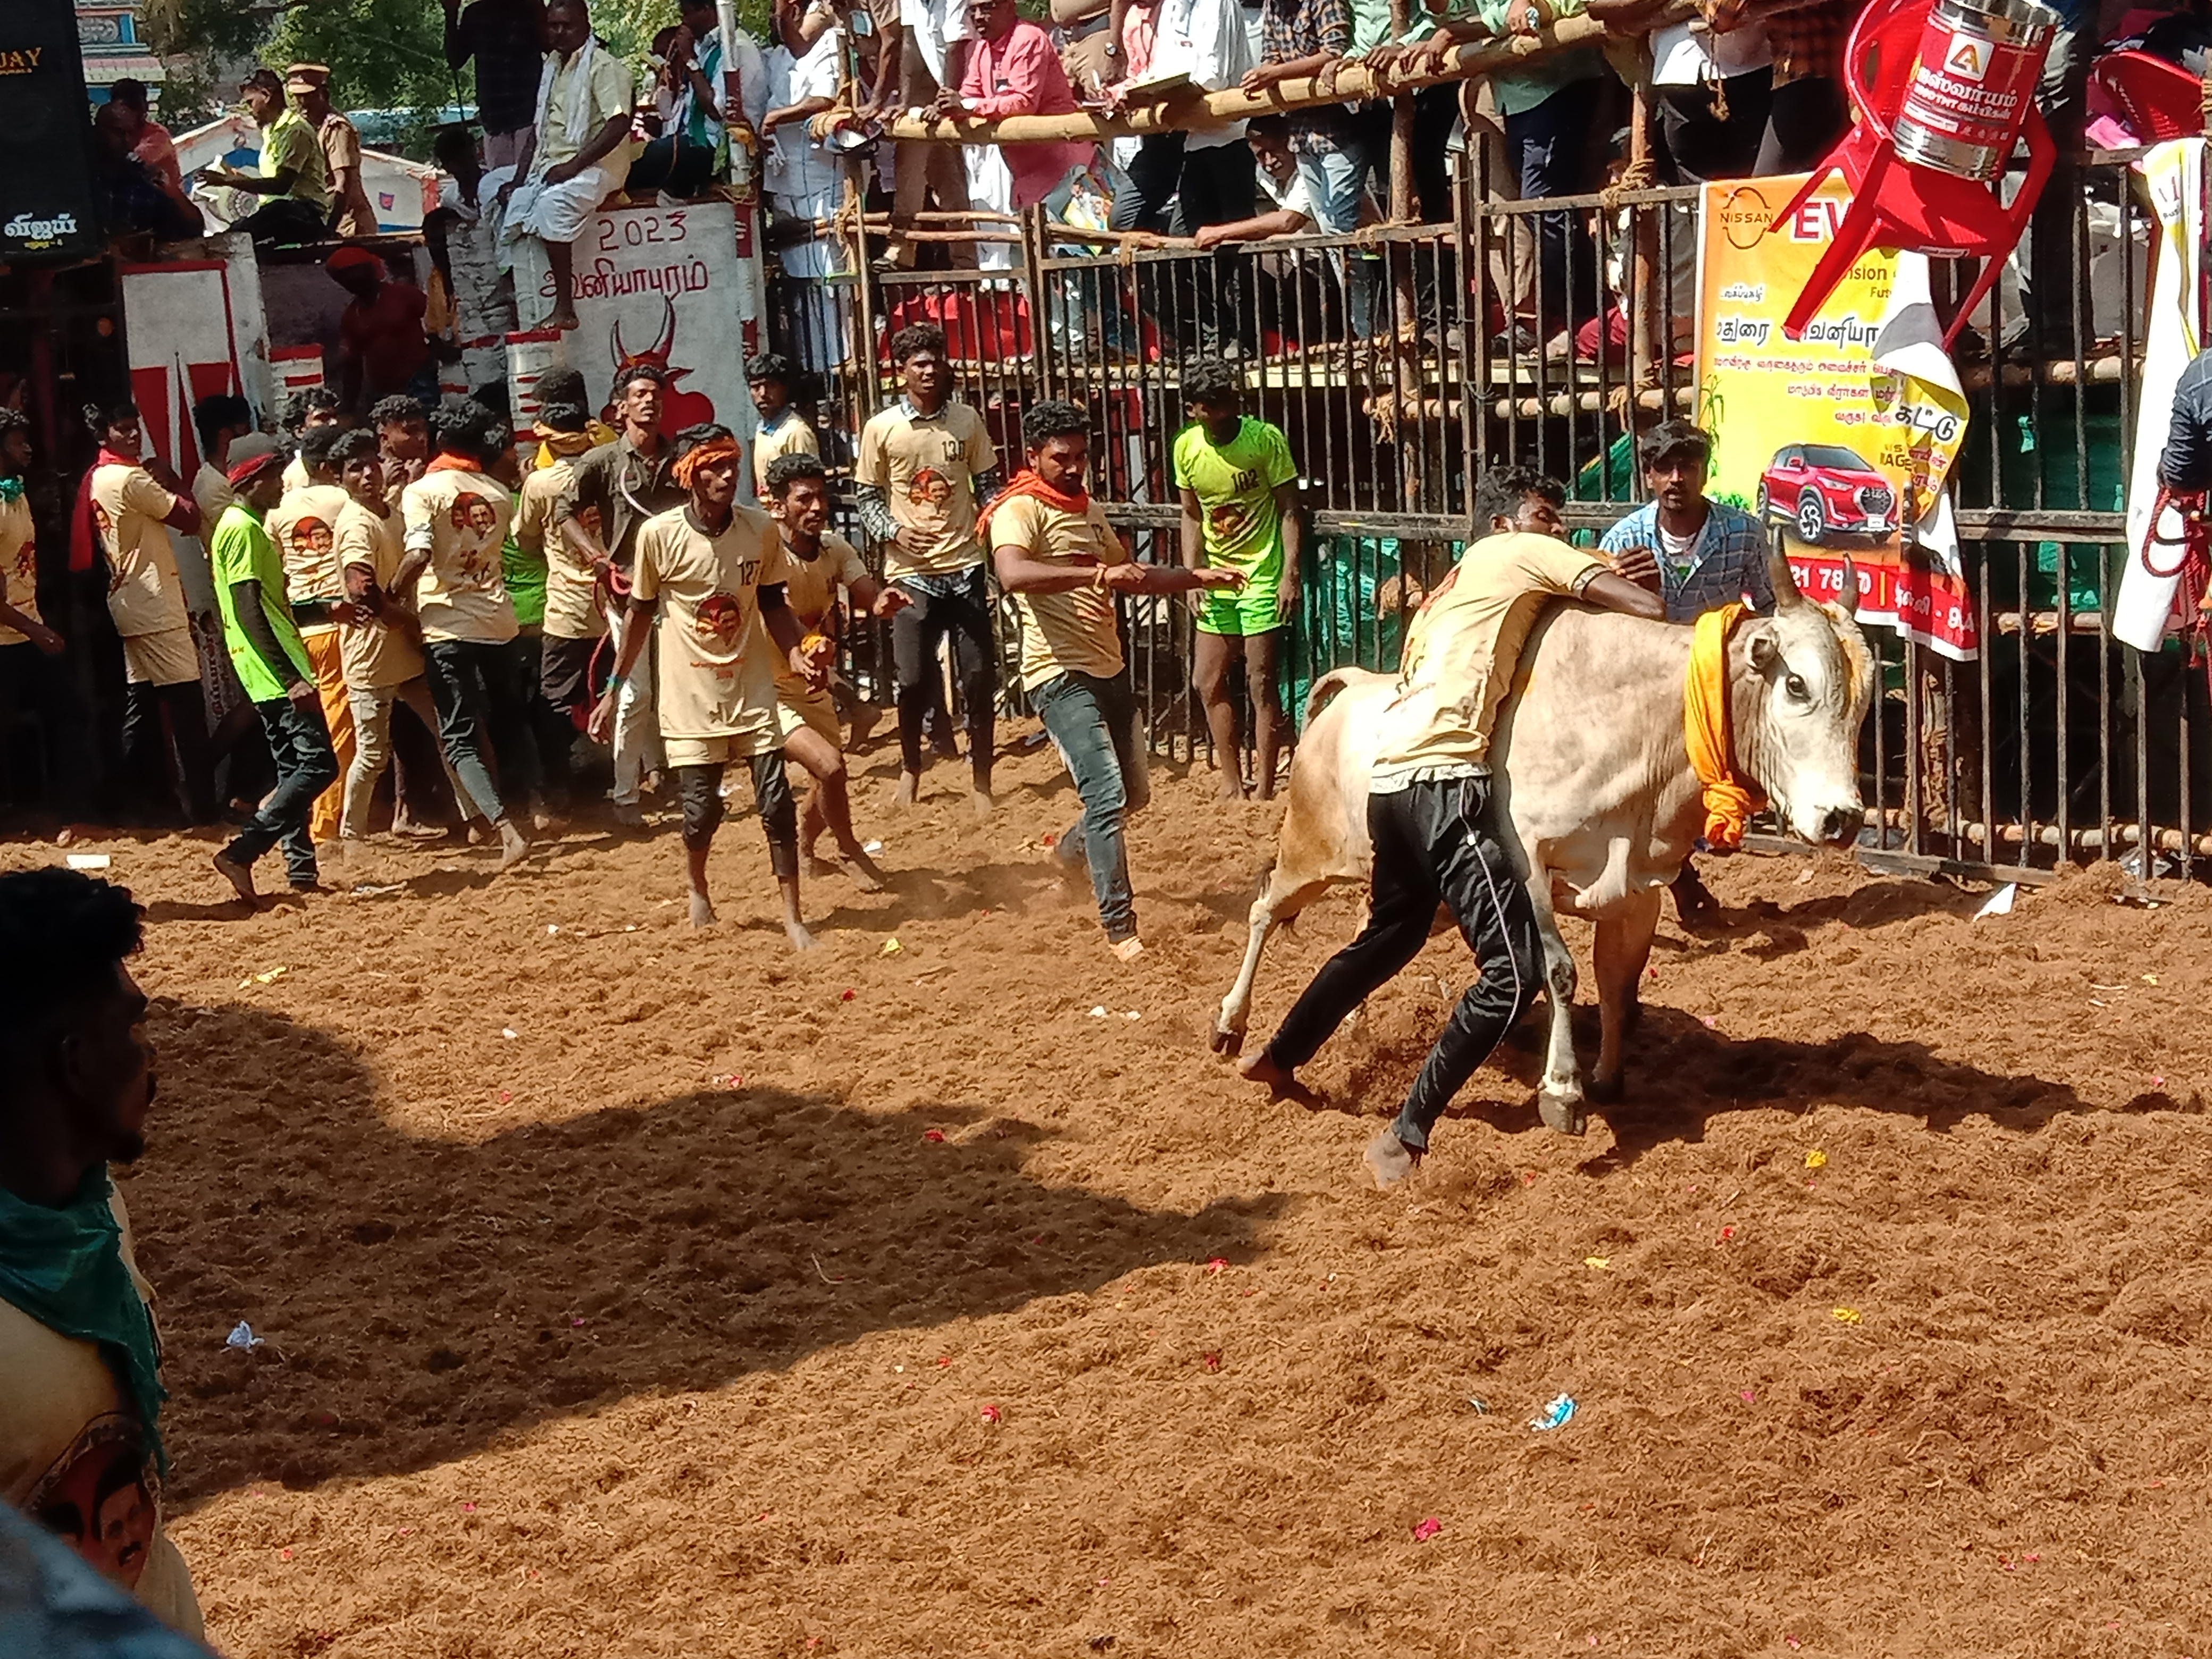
x=241, y=551
x=1235, y=485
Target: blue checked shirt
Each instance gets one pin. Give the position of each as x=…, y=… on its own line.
x=1729, y=562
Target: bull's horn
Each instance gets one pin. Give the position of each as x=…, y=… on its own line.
x=1849, y=597
x=1780, y=578
x=665, y=342
x=615, y=344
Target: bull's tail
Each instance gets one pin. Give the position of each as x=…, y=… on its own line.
x=1324, y=691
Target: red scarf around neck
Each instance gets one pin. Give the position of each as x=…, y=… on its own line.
x=1027, y=483
x=83, y=544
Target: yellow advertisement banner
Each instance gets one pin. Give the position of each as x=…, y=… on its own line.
x=1840, y=442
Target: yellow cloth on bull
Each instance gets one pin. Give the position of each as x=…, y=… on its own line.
x=1730, y=801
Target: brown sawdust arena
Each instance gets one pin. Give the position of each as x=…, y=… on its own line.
x=656, y=1292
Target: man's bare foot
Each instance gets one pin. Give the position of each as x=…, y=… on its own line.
x=979, y=798
x=1231, y=788
x=563, y=320
x=66, y=837
x=909, y=788
x=800, y=938
x=478, y=832
x=1390, y=1159
x=1127, y=950
x=513, y=846
x=866, y=719
x=415, y=832
x=1259, y=1067
x=240, y=878
x=629, y=815
x=702, y=910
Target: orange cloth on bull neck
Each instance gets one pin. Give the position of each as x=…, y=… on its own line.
x=1730, y=801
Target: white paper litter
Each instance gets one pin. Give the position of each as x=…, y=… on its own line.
x=1999, y=903
x=89, y=861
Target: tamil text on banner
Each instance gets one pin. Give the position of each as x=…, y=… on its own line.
x=677, y=286
x=1841, y=442
x=2175, y=174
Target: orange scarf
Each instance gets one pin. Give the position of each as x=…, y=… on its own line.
x=1730, y=801
x=446, y=463
x=689, y=464
x=1027, y=483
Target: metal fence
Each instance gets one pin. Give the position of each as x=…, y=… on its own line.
x=1388, y=360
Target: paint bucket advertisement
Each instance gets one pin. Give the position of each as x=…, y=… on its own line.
x=1842, y=442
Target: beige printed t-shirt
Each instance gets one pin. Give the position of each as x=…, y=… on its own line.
x=791, y=435
x=304, y=526
x=717, y=671
x=1461, y=653
x=144, y=593
x=1066, y=632
x=460, y=519
x=926, y=467
x=810, y=588
x=74, y=1457
x=572, y=609
x=19, y=565
x=375, y=654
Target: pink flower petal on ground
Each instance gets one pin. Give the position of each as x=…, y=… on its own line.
x=1425, y=1529
x=990, y=1413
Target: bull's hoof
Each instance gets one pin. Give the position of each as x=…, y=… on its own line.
x=1603, y=1089
x=1227, y=1044
x=1562, y=1113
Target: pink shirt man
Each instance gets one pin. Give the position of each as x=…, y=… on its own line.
x=1020, y=75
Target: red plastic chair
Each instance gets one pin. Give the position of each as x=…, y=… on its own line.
x=2153, y=99
x=1900, y=203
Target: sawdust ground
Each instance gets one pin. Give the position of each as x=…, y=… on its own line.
x=660, y=1293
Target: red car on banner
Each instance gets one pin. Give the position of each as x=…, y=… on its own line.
x=1820, y=490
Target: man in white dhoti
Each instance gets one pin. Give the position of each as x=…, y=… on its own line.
x=578, y=156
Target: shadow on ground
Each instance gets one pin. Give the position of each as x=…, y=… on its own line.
x=423, y=1297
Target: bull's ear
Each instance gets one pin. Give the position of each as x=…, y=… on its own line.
x=1764, y=653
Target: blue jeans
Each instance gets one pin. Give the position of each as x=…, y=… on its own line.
x=1093, y=724
x=307, y=764
x=1335, y=180
x=1546, y=146
x=472, y=683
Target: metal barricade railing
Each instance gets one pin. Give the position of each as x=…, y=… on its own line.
x=1389, y=361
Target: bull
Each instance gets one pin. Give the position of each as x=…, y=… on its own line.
x=1597, y=787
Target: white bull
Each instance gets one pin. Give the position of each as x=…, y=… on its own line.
x=1597, y=789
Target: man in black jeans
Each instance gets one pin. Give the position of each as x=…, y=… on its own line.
x=1432, y=816
x=1056, y=554
x=926, y=466
x=274, y=668
x=614, y=488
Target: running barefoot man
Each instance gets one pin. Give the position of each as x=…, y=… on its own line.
x=1056, y=555
x=1240, y=510
x=1436, y=818
x=704, y=573
x=819, y=562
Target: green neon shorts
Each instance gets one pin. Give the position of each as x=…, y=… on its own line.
x=1251, y=610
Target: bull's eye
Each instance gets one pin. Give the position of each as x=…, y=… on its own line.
x=1795, y=685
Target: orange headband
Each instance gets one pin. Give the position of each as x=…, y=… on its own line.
x=688, y=465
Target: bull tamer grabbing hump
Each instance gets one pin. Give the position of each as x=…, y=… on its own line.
x=1432, y=813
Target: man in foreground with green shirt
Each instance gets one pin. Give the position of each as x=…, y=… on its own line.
x=272, y=666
